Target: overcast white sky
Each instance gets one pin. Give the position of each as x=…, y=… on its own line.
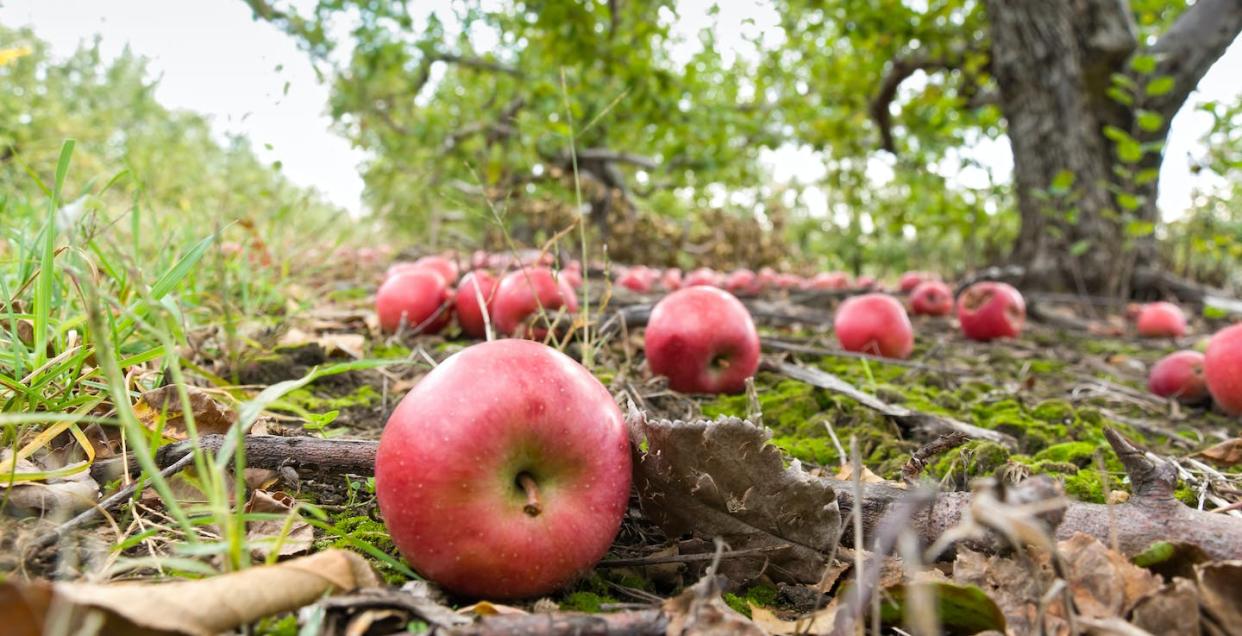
x=214, y=59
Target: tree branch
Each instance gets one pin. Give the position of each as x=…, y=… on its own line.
x=478, y=64
x=1189, y=48
x=900, y=70
x=611, y=156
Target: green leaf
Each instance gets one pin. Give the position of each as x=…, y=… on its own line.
x=1120, y=96
x=1062, y=182
x=1160, y=86
x=1123, y=80
x=1080, y=247
x=1147, y=175
x=961, y=609
x=1139, y=229
x=1129, y=151
x=1116, y=134
x=1150, y=121
x=1129, y=202
x=1144, y=64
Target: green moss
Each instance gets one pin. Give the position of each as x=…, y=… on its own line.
x=1080, y=454
x=973, y=459
x=584, y=602
x=1054, y=411
x=813, y=450
x=761, y=595
x=371, y=532
x=364, y=395
x=389, y=351
x=1085, y=485
x=348, y=294
x=277, y=626
x=788, y=406
x=1187, y=495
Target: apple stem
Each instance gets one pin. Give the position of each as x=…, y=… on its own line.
x=532, y=507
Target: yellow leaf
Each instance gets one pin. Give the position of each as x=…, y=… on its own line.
x=13, y=54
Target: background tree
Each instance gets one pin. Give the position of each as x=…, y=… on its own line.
x=895, y=98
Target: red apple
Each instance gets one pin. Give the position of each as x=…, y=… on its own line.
x=932, y=298
x=766, y=278
x=741, y=281
x=703, y=340
x=911, y=280
x=702, y=276
x=474, y=285
x=1223, y=367
x=571, y=276
x=419, y=297
x=788, y=281
x=1161, y=320
x=875, y=324
x=830, y=280
x=671, y=279
x=505, y=472
x=521, y=295
x=991, y=310
x=1179, y=375
x=446, y=267
x=864, y=282
x=635, y=279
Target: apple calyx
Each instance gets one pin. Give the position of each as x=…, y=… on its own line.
x=533, y=507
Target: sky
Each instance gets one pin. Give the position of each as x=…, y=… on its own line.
x=213, y=58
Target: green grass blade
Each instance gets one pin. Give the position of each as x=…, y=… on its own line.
x=43, y=288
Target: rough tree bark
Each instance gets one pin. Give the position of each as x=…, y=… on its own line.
x=1053, y=61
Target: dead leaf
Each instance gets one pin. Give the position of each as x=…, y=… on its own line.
x=846, y=473
x=264, y=536
x=351, y=344
x=486, y=608
x=1104, y=583
x=196, y=607
x=1171, y=611
x=722, y=479
x=59, y=495
x=700, y=609
x=1219, y=585
x=1010, y=585
x=1226, y=453
x=820, y=622
x=210, y=416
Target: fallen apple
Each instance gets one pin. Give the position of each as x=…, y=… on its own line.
x=1179, y=375
x=531, y=295
x=505, y=472
x=991, y=310
x=703, y=340
x=932, y=298
x=1222, y=366
x=475, y=285
x=417, y=298
x=1161, y=320
x=876, y=324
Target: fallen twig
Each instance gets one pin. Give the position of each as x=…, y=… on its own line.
x=925, y=422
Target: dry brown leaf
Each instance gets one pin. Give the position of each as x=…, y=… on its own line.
x=352, y=344
x=722, y=479
x=846, y=473
x=700, y=610
x=487, y=608
x=1171, y=611
x=1220, y=594
x=1104, y=583
x=263, y=536
x=1009, y=583
x=210, y=416
x=1226, y=453
x=60, y=495
x=197, y=607
x=820, y=622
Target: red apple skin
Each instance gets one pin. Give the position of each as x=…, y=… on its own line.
x=864, y=282
x=703, y=340
x=1179, y=375
x=671, y=279
x=1161, y=320
x=571, y=276
x=446, y=267
x=788, y=281
x=932, y=298
x=991, y=310
x=911, y=280
x=741, y=281
x=876, y=324
x=1222, y=366
x=830, y=280
x=417, y=295
x=520, y=295
x=449, y=459
x=635, y=279
x=466, y=302
x=702, y=276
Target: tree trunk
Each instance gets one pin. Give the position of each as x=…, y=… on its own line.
x=1054, y=61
